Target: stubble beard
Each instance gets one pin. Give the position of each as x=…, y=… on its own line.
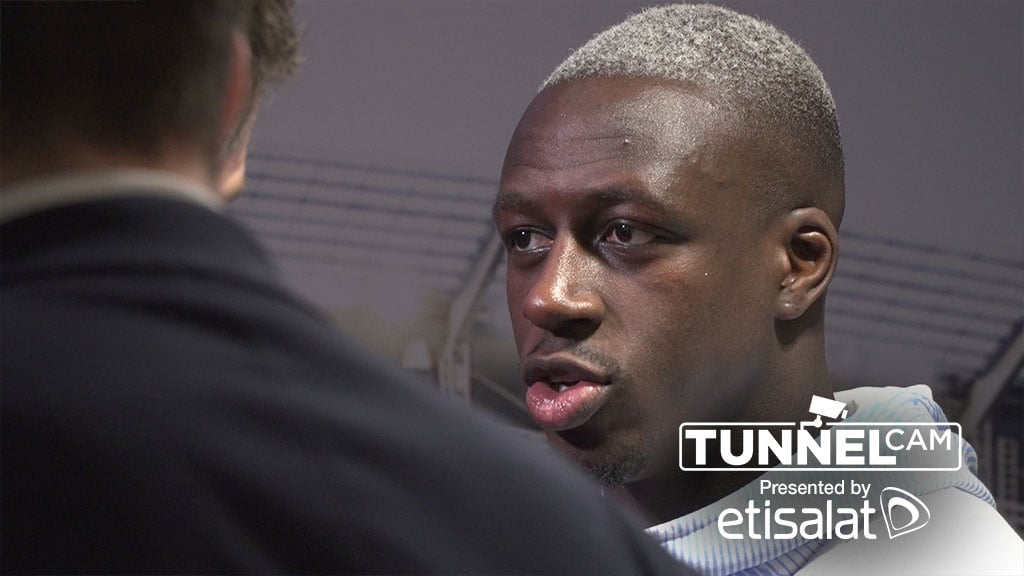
x=624, y=469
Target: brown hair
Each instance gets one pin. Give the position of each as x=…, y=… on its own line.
x=129, y=74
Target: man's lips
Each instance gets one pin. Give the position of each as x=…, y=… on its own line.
x=569, y=408
x=563, y=394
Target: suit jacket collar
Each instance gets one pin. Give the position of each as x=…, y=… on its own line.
x=34, y=195
x=130, y=234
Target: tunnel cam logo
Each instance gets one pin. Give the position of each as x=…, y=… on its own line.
x=825, y=442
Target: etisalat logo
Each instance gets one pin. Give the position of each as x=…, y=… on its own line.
x=810, y=446
x=902, y=512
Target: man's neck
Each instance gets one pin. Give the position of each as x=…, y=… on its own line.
x=667, y=497
x=85, y=160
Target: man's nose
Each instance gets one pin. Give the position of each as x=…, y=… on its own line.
x=564, y=299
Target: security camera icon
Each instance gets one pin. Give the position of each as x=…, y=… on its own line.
x=821, y=406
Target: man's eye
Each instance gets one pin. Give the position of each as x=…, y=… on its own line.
x=624, y=234
x=524, y=240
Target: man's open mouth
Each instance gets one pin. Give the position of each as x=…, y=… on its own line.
x=563, y=393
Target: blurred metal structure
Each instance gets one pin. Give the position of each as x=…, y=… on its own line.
x=454, y=369
x=987, y=388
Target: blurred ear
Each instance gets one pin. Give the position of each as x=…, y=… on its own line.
x=232, y=169
x=812, y=247
x=235, y=123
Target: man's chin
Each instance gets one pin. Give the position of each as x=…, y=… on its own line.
x=617, y=471
x=608, y=465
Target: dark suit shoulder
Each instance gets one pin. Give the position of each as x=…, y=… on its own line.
x=178, y=419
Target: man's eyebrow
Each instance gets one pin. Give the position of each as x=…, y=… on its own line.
x=509, y=200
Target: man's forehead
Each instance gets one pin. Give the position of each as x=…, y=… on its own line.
x=564, y=149
x=600, y=118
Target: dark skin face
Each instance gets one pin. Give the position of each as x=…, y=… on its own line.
x=644, y=283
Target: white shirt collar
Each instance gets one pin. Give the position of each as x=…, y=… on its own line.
x=49, y=192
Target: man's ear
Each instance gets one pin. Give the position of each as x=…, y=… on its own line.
x=812, y=247
x=235, y=125
x=231, y=179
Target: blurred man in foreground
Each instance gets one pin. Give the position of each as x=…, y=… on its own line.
x=167, y=406
x=670, y=203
